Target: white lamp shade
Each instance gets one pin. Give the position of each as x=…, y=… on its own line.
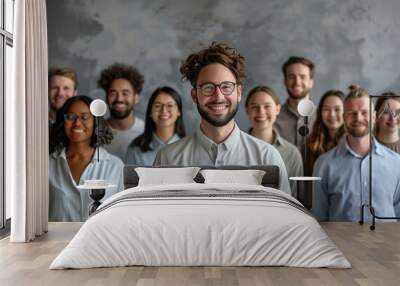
x=98, y=107
x=306, y=107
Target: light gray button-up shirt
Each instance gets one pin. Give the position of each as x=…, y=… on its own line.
x=239, y=148
x=345, y=183
x=67, y=202
x=135, y=156
x=291, y=157
x=288, y=123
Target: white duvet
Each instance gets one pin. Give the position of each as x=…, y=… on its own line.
x=210, y=229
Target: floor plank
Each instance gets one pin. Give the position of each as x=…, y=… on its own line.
x=374, y=255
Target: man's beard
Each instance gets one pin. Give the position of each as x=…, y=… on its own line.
x=301, y=96
x=120, y=114
x=215, y=122
x=355, y=133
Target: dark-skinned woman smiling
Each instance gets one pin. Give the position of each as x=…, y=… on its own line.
x=73, y=159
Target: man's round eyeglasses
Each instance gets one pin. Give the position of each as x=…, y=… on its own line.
x=209, y=88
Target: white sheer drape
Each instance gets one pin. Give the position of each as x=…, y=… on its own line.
x=27, y=124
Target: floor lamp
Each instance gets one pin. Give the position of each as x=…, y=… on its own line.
x=305, y=108
x=97, y=188
x=371, y=141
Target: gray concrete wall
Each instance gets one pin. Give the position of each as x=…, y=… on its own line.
x=351, y=41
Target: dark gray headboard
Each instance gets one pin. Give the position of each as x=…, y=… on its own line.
x=270, y=179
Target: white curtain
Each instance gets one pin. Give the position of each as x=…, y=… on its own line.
x=27, y=124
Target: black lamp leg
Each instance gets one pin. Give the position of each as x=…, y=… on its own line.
x=96, y=195
x=362, y=214
x=97, y=137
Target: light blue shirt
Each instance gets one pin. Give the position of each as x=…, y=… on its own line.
x=66, y=201
x=135, y=156
x=239, y=148
x=345, y=180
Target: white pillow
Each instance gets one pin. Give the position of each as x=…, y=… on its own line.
x=249, y=177
x=164, y=176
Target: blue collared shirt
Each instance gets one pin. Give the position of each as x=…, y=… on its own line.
x=66, y=201
x=345, y=183
x=239, y=148
x=135, y=156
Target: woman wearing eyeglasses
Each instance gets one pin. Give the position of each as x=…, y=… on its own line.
x=163, y=125
x=73, y=159
x=388, y=121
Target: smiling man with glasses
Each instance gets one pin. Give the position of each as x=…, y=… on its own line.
x=216, y=75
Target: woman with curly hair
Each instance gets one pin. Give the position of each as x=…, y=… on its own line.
x=328, y=128
x=73, y=159
x=163, y=125
x=388, y=121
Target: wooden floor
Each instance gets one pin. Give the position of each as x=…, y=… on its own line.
x=374, y=255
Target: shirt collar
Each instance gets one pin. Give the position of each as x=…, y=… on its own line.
x=156, y=142
x=277, y=139
x=289, y=109
x=229, y=142
x=379, y=149
x=344, y=147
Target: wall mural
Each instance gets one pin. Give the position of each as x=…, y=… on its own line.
x=350, y=41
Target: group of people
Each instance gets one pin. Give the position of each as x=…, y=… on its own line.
x=337, y=150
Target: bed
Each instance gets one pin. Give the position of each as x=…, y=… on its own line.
x=201, y=224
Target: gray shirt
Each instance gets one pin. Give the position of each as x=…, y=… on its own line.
x=239, y=148
x=288, y=124
x=291, y=157
x=123, y=138
x=66, y=201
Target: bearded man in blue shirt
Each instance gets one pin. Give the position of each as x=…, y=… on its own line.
x=344, y=170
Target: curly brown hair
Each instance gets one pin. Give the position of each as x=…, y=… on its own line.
x=121, y=71
x=216, y=53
